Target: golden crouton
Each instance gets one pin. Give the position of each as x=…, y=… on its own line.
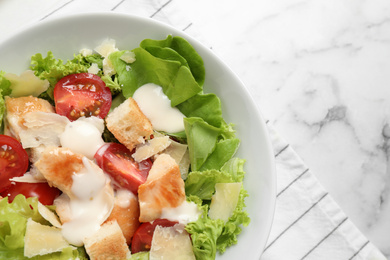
x=17, y=107
x=164, y=188
x=126, y=213
x=107, y=243
x=128, y=124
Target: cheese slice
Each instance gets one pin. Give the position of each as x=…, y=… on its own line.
x=150, y=148
x=225, y=200
x=48, y=215
x=171, y=243
x=128, y=57
x=42, y=240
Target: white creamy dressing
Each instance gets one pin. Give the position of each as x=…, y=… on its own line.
x=83, y=136
x=156, y=106
x=124, y=197
x=185, y=213
x=93, y=203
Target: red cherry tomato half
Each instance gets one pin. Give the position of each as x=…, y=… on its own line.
x=13, y=160
x=43, y=191
x=82, y=94
x=115, y=159
x=142, y=239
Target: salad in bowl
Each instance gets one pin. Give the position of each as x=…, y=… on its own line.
x=119, y=153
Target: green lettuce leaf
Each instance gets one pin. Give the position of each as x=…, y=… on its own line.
x=5, y=85
x=176, y=80
x=202, y=184
x=2, y=111
x=232, y=227
x=201, y=139
x=235, y=168
x=206, y=106
x=5, y=90
x=185, y=49
x=112, y=84
x=13, y=221
x=166, y=54
x=54, y=69
x=223, y=152
x=139, y=256
x=207, y=146
x=204, y=232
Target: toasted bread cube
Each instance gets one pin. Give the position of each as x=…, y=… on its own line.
x=164, y=188
x=18, y=107
x=128, y=124
x=126, y=213
x=107, y=243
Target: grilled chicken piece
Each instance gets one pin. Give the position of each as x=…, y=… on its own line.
x=126, y=213
x=18, y=107
x=164, y=188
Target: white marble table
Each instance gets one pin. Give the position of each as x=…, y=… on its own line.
x=320, y=72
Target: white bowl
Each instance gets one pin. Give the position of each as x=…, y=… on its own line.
x=66, y=35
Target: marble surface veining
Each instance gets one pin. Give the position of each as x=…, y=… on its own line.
x=319, y=71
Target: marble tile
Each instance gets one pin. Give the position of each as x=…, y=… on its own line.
x=319, y=72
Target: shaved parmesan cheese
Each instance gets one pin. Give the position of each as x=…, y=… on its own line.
x=184, y=165
x=128, y=57
x=106, y=48
x=171, y=243
x=26, y=84
x=48, y=215
x=85, y=52
x=27, y=178
x=176, y=151
x=180, y=153
x=42, y=240
x=151, y=147
x=94, y=68
x=62, y=204
x=225, y=200
x=108, y=68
